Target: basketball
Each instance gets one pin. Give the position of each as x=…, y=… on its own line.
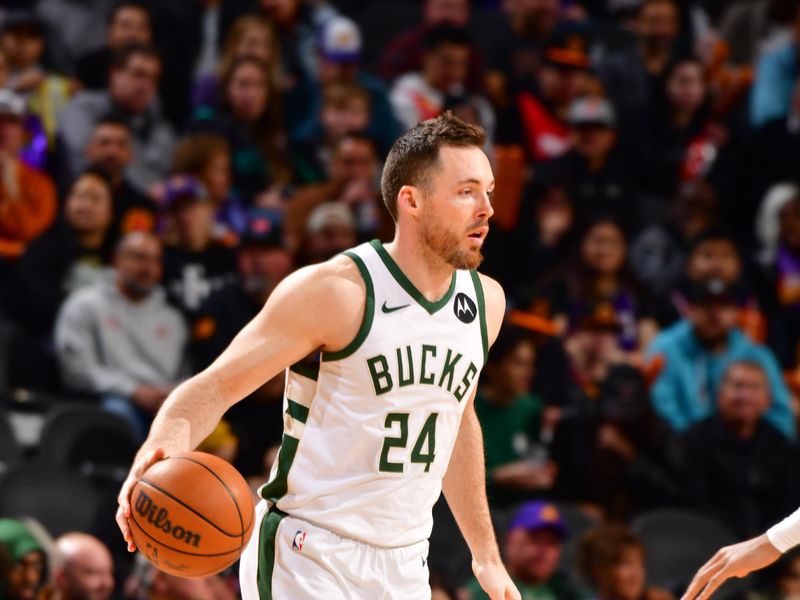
x=191, y=514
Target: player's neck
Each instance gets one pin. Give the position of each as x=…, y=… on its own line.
x=430, y=274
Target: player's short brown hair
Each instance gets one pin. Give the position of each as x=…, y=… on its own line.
x=417, y=152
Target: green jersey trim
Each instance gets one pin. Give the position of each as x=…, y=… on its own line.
x=476, y=280
x=297, y=411
x=274, y=490
x=305, y=370
x=409, y=287
x=266, y=552
x=366, y=321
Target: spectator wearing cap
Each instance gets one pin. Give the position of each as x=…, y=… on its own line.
x=119, y=340
x=517, y=464
x=331, y=229
x=23, y=42
x=403, y=53
x=28, y=562
x=537, y=120
x=632, y=75
x=596, y=170
x=110, y=149
x=338, y=60
x=132, y=92
x=263, y=261
x=70, y=256
x=695, y=353
x=738, y=467
x=127, y=23
x=421, y=95
x=249, y=117
x=207, y=157
x=195, y=262
x=353, y=182
x=612, y=559
x=27, y=195
x=512, y=43
x=533, y=545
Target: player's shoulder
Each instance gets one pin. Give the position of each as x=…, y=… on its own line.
x=495, y=299
x=335, y=280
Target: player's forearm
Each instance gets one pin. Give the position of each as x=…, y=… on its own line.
x=786, y=534
x=464, y=488
x=188, y=415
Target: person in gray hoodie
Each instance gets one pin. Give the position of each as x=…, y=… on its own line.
x=120, y=340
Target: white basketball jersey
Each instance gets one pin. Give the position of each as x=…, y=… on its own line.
x=369, y=432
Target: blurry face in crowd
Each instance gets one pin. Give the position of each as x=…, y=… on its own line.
x=195, y=222
x=532, y=556
x=561, y=85
x=714, y=259
x=25, y=578
x=789, y=581
x=514, y=372
x=538, y=17
x=354, y=159
x=789, y=219
x=603, y=248
x=262, y=268
x=744, y=396
x=110, y=148
x=686, y=87
x=248, y=92
x=626, y=579
x=255, y=41
x=694, y=208
x=139, y=265
x=23, y=47
x=134, y=86
x=217, y=176
x=453, y=12
x=89, y=575
x=594, y=345
x=89, y=206
x=658, y=24
x=12, y=135
x=168, y=587
x=131, y=25
x=333, y=71
x=713, y=320
x=351, y=117
x=329, y=241
x=593, y=141
x=446, y=66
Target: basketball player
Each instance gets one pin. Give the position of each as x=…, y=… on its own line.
x=384, y=421
x=742, y=559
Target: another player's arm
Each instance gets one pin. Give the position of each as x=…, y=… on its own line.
x=294, y=322
x=464, y=483
x=742, y=559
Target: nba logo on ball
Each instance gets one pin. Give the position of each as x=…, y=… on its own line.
x=299, y=539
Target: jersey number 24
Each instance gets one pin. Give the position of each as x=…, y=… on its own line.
x=424, y=448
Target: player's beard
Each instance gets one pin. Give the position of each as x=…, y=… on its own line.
x=447, y=245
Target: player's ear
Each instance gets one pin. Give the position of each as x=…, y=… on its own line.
x=408, y=199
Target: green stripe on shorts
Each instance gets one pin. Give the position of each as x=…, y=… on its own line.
x=266, y=551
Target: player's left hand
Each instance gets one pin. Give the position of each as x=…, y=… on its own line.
x=495, y=581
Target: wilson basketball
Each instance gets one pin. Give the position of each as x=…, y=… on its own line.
x=191, y=514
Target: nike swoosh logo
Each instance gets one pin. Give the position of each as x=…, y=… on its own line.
x=386, y=309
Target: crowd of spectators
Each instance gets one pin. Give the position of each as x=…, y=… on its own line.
x=164, y=165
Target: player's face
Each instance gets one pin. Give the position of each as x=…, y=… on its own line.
x=456, y=207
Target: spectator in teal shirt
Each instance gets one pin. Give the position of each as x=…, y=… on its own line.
x=696, y=352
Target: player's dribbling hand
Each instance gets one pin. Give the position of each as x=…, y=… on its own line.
x=495, y=581
x=124, y=499
x=738, y=560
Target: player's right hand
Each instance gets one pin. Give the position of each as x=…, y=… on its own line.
x=140, y=465
x=738, y=560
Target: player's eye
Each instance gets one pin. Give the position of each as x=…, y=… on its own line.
x=466, y=192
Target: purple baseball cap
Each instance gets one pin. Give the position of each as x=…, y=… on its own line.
x=538, y=515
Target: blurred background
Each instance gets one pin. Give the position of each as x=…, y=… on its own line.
x=163, y=165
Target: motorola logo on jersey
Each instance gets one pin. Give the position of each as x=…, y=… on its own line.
x=465, y=308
